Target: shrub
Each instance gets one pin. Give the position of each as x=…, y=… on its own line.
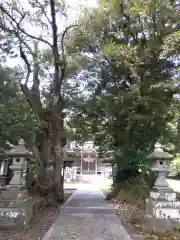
x=175, y=168
x=136, y=189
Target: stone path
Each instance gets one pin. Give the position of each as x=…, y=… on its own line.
x=86, y=215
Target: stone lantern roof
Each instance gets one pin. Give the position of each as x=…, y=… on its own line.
x=19, y=150
x=158, y=153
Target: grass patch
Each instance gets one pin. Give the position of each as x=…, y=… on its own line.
x=69, y=191
x=106, y=186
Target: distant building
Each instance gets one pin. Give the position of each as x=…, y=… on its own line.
x=81, y=161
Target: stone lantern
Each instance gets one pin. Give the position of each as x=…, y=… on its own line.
x=160, y=165
x=19, y=154
x=162, y=210
x=16, y=209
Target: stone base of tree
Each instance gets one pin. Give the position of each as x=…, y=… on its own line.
x=16, y=209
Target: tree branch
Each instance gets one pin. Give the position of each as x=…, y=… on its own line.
x=71, y=93
x=59, y=64
x=57, y=85
x=44, y=11
x=129, y=23
x=32, y=100
x=36, y=82
x=21, y=29
x=64, y=63
x=22, y=52
x=24, y=57
x=16, y=34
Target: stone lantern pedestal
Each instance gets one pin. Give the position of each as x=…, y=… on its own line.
x=16, y=207
x=162, y=209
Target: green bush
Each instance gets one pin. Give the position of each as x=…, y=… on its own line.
x=135, y=189
x=175, y=168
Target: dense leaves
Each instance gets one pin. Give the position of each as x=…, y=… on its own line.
x=135, y=48
x=114, y=74
x=16, y=118
x=48, y=75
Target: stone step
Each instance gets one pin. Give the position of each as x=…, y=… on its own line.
x=95, y=210
x=15, y=203
x=13, y=194
x=7, y=222
x=13, y=218
x=16, y=215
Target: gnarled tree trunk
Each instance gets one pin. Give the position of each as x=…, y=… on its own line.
x=57, y=141
x=57, y=155
x=41, y=153
x=44, y=156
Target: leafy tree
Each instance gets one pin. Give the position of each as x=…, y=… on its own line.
x=131, y=100
x=49, y=74
x=175, y=167
x=16, y=119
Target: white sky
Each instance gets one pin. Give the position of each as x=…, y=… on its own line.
x=73, y=13
x=75, y=4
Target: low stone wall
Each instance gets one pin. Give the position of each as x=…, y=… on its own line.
x=16, y=209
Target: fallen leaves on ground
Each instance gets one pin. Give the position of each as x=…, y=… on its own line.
x=131, y=215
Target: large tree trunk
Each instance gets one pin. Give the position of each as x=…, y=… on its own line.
x=41, y=153
x=53, y=129
x=58, y=141
x=44, y=156
x=57, y=152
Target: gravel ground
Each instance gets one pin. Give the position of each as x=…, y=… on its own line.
x=40, y=225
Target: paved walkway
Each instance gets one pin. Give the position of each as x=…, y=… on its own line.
x=87, y=216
